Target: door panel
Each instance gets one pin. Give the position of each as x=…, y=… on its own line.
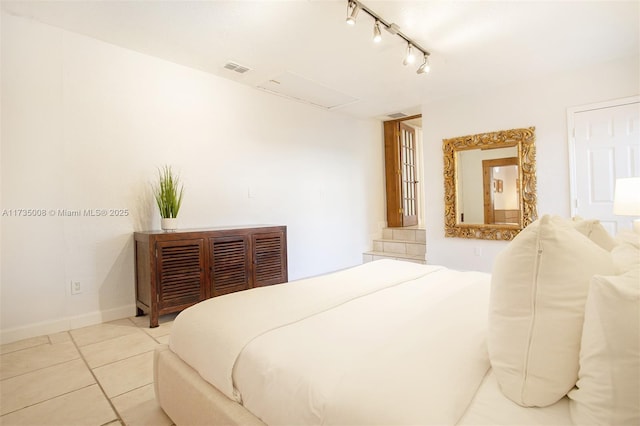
x=269, y=258
x=408, y=176
x=393, y=173
x=180, y=272
x=229, y=264
x=606, y=147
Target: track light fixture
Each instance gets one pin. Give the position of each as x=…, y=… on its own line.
x=354, y=6
x=352, y=12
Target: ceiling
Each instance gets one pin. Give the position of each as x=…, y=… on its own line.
x=305, y=48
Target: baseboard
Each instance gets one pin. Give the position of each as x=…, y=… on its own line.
x=66, y=324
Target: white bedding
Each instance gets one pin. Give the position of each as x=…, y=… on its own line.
x=490, y=407
x=210, y=336
x=386, y=342
x=410, y=354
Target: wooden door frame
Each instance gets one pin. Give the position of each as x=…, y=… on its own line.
x=393, y=177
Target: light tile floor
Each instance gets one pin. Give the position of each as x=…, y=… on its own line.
x=97, y=375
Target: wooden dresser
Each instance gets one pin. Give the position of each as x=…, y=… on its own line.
x=175, y=270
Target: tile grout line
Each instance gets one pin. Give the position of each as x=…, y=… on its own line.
x=107, y=339
x=122, y=359
x=48, y=399
x=41, y=368
x=80, y=356
x=25, y=348
x=118, y=417
x=131, y=390
x=159, y=343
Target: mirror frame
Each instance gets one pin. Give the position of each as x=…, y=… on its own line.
x=524, y=139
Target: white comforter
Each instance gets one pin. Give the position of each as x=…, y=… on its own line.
x=383, y=343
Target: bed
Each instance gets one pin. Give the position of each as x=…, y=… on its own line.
x=386, y=342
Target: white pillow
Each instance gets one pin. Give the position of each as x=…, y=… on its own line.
x=593, y=229
x=629, y=237
x=538, y=290
x=626, y=257
x=626, y=254
x=608, y=388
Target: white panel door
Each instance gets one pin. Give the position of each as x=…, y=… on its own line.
x=606, y=146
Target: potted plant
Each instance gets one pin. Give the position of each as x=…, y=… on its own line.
x=168, y=193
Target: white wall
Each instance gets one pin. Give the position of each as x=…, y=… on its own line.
x=85, y=124
x=541, y=103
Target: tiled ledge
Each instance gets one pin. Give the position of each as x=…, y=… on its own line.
x=399, y=246
x=405, y=234
x=407, y=244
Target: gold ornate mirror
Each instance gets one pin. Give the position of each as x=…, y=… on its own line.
x=490, y=184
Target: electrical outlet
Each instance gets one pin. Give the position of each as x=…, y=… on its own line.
x=76, y=287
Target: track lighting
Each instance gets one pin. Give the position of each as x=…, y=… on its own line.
x=424, y=68
x=377, y=35
x=352, y=12
x=354, y=6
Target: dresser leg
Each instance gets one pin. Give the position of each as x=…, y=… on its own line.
x=153, y=320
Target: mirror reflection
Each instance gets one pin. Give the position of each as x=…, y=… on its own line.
x=487, y=187
x=501, y=193
x=489, y=184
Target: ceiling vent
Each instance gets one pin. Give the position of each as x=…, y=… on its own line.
x=240, y=69
x=397, y=115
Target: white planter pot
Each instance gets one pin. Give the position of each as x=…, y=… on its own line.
x=169, y=224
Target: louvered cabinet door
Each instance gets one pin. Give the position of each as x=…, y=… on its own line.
x=175, y=270
x=269, y=258
x=180, y=274
x=229, y=264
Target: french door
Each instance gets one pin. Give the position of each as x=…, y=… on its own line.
x=408, y=175
x=401, y=174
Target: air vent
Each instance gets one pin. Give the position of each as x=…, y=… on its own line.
x=240, y=69
x=397, y=115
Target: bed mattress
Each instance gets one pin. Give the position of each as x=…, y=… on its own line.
x=387, y=342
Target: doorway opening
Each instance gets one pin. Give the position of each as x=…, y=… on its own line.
x=403, y=172
x=501, y=192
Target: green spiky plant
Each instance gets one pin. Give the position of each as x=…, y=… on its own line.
x=168, y=192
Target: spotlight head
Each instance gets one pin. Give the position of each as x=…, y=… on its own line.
x=377, y=35
x=410, y=57
x=352, y=12
x=424, y=68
